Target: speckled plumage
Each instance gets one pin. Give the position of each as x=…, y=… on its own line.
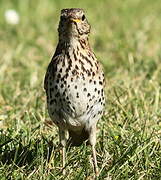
x=74, y=80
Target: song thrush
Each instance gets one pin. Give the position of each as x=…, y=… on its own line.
x=74, y=83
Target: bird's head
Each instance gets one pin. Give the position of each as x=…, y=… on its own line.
x=73, y=23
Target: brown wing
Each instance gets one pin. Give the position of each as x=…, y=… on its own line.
x=47, y=76
x=51, y=68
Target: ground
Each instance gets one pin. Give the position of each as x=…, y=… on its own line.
x=126, y=38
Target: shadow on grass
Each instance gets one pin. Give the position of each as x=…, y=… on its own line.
x=13, y=151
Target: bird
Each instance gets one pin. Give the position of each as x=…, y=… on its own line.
x=74, y=84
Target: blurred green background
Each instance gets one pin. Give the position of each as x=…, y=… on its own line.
x=126, y=38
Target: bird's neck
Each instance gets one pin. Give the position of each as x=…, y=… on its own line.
x=73, y=42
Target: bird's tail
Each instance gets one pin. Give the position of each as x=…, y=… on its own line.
x=76, y=139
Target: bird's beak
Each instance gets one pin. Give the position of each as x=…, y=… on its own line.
x=75, y=20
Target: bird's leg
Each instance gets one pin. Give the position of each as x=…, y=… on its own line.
x=95, y=161
x=62, y=136
x=92, y=141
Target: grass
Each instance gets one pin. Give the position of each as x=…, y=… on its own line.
x=126, y=38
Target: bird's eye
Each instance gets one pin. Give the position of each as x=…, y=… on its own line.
x=83, y=17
